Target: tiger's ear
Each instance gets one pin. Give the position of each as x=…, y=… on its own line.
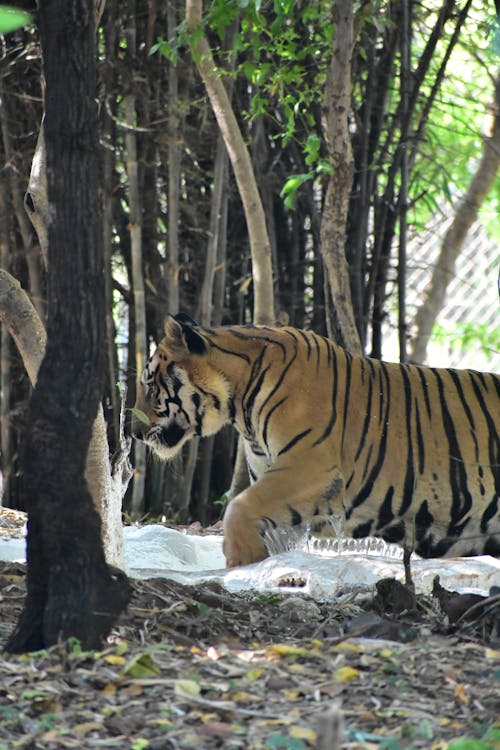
x=182, y=337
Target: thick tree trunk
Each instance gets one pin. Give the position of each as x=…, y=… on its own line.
x=71, y=590
x=337, y=105
x=465, y=215
x=242, y=166
x=22, y=321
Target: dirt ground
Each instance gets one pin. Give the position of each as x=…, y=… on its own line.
x=198, y=667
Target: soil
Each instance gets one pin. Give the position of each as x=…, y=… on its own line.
x=199, y=667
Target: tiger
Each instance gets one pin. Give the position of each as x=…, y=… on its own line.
x=404, y=452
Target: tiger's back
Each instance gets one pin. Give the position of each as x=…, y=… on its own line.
x=407, y=453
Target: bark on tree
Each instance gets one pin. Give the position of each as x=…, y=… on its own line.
x=211, y=301
x=135, y=228
x=19, y=317
x=5, y=354
x=404, y=84
x=30, y=251
x=174, y=172
x=110, y=32
x=260, y=245
x=140, y=346
x=211, y=305
x=465, y=215
x=337, y=105
x=107, y=483
x=71, y=591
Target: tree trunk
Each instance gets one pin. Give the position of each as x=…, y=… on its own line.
x=24, y=325
x=465, y=215
x=260, y=245
x=174, y=171
x=211, y=300
x=404, y=84
x=337, y=106
x=5, y=354
x=25, y=230
x=108, y=138
x=19, y=316
x=211, y=306
x=70, y=589
x=135, y=228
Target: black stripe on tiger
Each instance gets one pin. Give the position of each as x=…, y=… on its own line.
x=256, y=333
x=493, y=436
x=347, y=393
x=306, y=341
x=230, y=352
x=488, y=514
x=317, y=345
x=268, y=417
x=296, y=517
x=252, y=389
x=294, y=441
x=425, y=388
x=461, y=498
x=276, y=387
x=423, y=521
x=385, y=514
x=366, y=423
x=365, y=491
x=420, y=439
x=333, y=415
x=409, y=480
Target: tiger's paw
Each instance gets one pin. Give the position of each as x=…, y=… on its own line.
x=242, y=542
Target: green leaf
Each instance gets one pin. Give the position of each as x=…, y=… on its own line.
x=279, y=741
x=141, y=665
x=291, y=186
x=12, y=18
x=75, y=645
x=140, y=415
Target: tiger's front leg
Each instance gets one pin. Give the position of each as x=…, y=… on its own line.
x=284, y=496
x=242, y=539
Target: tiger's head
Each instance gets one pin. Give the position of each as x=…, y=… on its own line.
x=180, y=394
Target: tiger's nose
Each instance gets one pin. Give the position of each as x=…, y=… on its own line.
x=137, y=428
x=138, y=434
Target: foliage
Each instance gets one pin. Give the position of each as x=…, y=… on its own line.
x=12, y=18
x=489, y=741
x=467, y=336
